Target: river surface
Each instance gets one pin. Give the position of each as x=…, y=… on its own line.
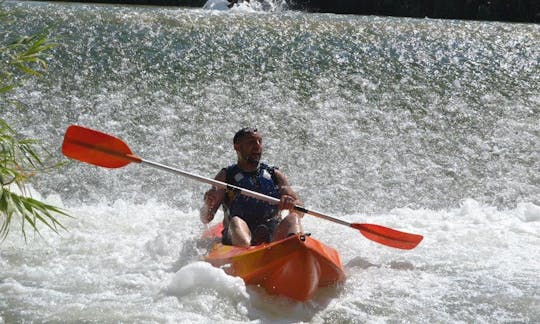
x=426, y=126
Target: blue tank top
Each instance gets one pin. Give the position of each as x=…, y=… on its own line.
x=253, y=211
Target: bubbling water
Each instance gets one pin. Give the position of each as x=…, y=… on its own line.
x=421, y=125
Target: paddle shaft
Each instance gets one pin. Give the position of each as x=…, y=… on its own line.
x=243, y=191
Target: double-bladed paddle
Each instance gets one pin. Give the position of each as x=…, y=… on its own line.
x=97, y=148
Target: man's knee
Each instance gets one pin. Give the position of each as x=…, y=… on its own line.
x=237, y=222
x=239, y=232
x=293, y=220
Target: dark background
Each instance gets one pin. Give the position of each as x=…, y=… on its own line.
x=500, y=10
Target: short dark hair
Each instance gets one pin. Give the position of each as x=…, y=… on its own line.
x=242, y=132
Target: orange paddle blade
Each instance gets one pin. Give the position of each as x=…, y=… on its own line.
x=97, y=148
x=388, y=236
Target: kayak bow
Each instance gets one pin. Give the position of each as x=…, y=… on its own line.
x=293, y=267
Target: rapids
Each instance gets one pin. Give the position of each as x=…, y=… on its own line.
x=427, y=126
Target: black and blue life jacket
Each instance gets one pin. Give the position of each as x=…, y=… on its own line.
x=253, y=211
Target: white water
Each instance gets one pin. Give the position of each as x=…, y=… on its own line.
x=246, y=6
x=130, y=262
x=425, y=126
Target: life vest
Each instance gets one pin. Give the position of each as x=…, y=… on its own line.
x=253, y=211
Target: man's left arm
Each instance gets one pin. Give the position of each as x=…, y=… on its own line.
x=289, y=198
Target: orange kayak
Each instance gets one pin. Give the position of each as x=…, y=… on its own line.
x=293, y=267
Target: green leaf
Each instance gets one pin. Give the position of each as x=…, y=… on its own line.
x=21, y=158
x=30, y=210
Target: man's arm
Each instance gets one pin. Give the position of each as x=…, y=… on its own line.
x=289, y=197
x=213, y=199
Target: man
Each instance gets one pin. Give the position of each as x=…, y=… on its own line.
x=248, y=221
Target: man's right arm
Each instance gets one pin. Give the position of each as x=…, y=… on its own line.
x=213, y=199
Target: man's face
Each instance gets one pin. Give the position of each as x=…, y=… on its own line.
x=249, y=148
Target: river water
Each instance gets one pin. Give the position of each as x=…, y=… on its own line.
x=426, y=126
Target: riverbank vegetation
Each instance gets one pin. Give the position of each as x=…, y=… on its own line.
x=21, y=57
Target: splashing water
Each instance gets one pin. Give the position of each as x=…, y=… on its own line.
x=422, y=125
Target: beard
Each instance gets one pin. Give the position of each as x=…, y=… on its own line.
x=253, y=160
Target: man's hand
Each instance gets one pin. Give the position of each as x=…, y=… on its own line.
x=288, y=202
x=212, y=200
x=211, y=197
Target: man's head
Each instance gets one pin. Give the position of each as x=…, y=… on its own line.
x=243, y=132
x=248, y=146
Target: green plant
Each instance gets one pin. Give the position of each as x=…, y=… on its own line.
x=20, y=158
x=19, y=162
x=26, y=55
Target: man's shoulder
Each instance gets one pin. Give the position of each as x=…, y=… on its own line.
x=262, y=165
x=268, y=167
x=230, y=168
x=230, y=171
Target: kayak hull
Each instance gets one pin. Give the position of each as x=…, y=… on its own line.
x=293, y=267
